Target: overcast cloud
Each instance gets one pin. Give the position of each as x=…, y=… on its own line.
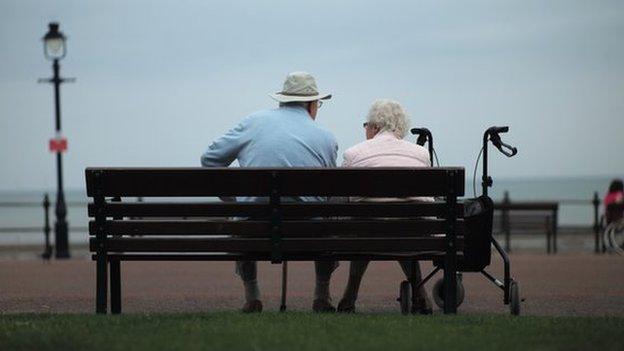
x=158, y=81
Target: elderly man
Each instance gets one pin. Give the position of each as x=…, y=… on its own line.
x=283, y=137
x=386, y=126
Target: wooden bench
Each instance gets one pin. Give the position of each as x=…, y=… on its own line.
x=527, y=218
x=276, y=230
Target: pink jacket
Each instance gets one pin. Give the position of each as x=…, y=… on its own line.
x=386, y=150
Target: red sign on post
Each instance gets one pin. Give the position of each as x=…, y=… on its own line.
x=58, y=144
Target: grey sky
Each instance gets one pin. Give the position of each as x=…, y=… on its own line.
x=158, y=81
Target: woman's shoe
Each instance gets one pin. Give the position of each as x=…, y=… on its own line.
x=422, y=306
x=253, y=306
x=320, y=305
x=346, y=306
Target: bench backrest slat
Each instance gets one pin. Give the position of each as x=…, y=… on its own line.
x=524, y=221
x=174, y=182
x=260, y=210
x=251, y=228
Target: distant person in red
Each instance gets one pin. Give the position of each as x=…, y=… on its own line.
x=614, y=196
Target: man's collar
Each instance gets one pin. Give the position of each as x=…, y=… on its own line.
x=297, y=109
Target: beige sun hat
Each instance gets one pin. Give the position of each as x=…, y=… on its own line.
x=299, y=86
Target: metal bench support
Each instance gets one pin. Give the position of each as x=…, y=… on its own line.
x=450, y=258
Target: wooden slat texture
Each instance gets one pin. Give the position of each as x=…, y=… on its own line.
x=257, y=210
x=527, y=206
x=252, y=228
x=527, y=222
x=373, y=256
x=264, y=245
x=381, y=182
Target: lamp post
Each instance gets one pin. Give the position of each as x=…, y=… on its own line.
x=54, y=50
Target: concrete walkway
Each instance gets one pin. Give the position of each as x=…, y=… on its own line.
x=551, y=285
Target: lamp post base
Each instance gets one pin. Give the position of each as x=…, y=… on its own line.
x=61, y=240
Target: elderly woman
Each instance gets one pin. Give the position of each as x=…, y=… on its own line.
x=386, y=126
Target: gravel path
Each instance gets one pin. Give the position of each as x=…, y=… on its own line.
x=551, y=285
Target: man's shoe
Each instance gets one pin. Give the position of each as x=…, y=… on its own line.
x=322, y=306
x=253, y=306
x=346, y=306
x=422, y=306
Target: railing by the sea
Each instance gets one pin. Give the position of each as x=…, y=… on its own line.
x=45, y=228
x=599, y=245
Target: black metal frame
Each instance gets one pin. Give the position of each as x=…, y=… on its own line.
x=599, y=246
x=61, y=227
x=101, y=256
x=115, y=277
x=491, y=134
x=450, y=259
x=47, y=251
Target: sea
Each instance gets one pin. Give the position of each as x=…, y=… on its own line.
x=23, y=209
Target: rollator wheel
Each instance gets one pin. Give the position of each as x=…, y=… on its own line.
x=405, y=297
x=438, y=292
x=514, y=298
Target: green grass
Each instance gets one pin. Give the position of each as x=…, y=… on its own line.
x=306, y=331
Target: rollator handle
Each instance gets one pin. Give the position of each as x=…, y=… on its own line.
x=496, y=130
x=504, y=148
x=512, y=150
x=423, y=134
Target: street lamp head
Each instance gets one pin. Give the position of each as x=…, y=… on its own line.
x=54, y=43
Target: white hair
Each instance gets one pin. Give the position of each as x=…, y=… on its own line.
x=389, y=115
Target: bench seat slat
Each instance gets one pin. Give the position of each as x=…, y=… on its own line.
x=265, y=245
x=219, y=209
x=527, y=206
x=172, y=182
x=263, y=228
x=286, y=256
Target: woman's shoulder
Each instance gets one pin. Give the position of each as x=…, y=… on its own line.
x=362, y=147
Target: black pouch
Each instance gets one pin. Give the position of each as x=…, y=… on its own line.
x=478, y=215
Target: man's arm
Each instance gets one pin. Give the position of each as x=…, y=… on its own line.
x=334, y=154
x=331, y=150
x=223, y=151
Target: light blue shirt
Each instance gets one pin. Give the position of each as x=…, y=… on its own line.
x=282, y=137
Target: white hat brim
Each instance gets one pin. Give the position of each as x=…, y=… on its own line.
x=295, y=98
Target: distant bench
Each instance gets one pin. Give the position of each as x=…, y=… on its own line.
x=277, y=230
x=528, y=218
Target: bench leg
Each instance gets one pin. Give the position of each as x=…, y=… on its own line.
x=284, y=285
x=450, y=291
x=115, y=285
x=507, y=240
x=101, y=284
x=548, y=236
x=548, y=241
x=554, y=238
x=413, y=279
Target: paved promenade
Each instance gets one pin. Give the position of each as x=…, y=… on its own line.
x=565, y=284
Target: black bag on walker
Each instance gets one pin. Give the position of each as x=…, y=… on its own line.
x=478, y=215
